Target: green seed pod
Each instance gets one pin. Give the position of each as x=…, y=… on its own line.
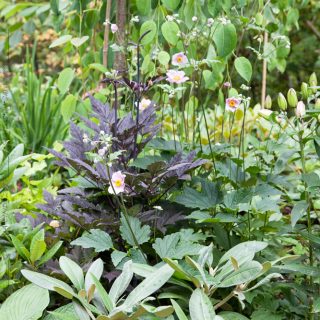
x=304, y=90
x=259, y=19
x=282, y=102
x=268, y=102
x=292, y=98
x=317, y=104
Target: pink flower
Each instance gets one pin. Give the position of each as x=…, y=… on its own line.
x=232, y=104
x=300, y=109
x=179, y=59
x=174, y=76
x=114, y=28
x=227, y=84
x=117, y=181
x=144, y=104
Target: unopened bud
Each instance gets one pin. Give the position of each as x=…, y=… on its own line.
x=268, y=102
x=300, y=109
x=317, y=104
x=304, y=90
x=292, y=98
x=54, y=224
x=282, y=102
x=313, y=80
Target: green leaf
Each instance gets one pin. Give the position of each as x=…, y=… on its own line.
x=208, y=198
x=143, y=6
x=102, y=294
x=163, y=57
x=117, y=257
x=21, y=249
x=98, y=66
x=179, y=312
x=73, y=271
x=148, y=286
x=148, y=26
x=225, y=39
x=77, y=42
x=200, y=306
x=37, y=249
x=121, y=283
x=60, y=41
x=171, y=4
x=249, y=248
x=64, y=80
x=170, y=32
x=45, y=281
x=298, y=211
x=247, y=272
x=50, y=253
x=96, y=269
x=68, y=107
x=28, y=303
x=95, y=238
x=142, y=233
x=244, y=68
x=229, y=315
x=175, y=246
x=66, y=312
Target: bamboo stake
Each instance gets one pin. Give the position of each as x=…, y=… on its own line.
x=106, y=34
x=264, y=72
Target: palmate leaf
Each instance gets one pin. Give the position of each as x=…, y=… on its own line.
x=209, y=196
x=28, y=303
x=141, y=233
x=96, y=239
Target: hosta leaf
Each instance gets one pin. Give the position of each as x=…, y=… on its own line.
x=133, y=225
x=97, y=239
x=28, y=303
x=200, y=306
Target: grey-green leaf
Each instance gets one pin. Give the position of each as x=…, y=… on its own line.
x=27, y=303
x=200, y=306
x=73, y=271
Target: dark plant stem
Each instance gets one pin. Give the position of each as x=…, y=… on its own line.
x=115, y=108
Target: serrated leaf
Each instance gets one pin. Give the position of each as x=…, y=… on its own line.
x=141, y=233
x=97, y=239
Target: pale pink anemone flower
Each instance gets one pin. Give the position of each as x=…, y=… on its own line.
x=179, y=59
x=114, y=28
x=117, y=181
x=174, y=76
x=232, y=104
x=144, y=104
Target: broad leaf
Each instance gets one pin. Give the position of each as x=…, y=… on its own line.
x=244, y=68
x=200, y=306
x=225, y=39
x=73, y=271
x=64, y=80
x=170, y=32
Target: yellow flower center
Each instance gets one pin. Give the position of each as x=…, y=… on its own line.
x=232, y=103
x=179, y=59
x=177, y=78
x=117, y=183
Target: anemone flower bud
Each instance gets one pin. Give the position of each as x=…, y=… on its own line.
x=300, y=109
x=114, y=28
x=268, y=102
x=292, y=98
x=304, y=90
x=54, y=224
x=313, y=80
x=282, y=102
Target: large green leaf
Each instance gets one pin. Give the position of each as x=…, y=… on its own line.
x=225, y=39
x=68, y=107
x=143, y=6
x=208, y=198
x=121, y=283
x=148, y=286
x=133, y=225
x=95, y=238
x=171, y=4
x=73, y=271
x=28, y=303
x=170, y=32
x=200, y=306
x=64, y=80
x=244, y=68
x=148, y=26
x=64, y=312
